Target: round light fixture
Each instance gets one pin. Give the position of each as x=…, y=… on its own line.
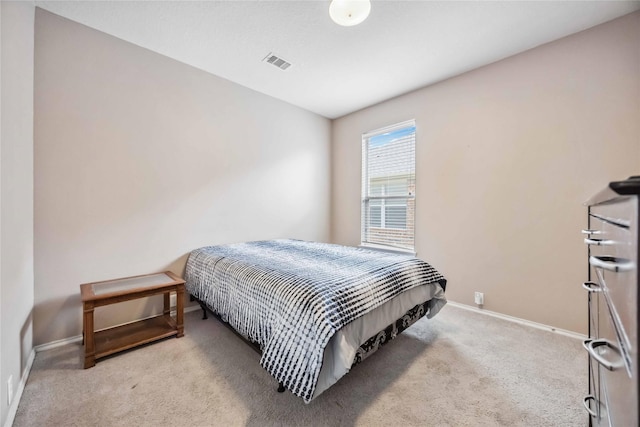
x=349, y=12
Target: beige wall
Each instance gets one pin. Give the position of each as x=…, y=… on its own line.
x=16, y=193
x=506, y=154
x=140, y=159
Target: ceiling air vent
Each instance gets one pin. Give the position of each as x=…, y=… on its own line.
x=278, y=62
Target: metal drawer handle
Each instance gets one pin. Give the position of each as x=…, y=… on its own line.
x=591, y=345
x=611, y=263
x=592, y=286
x=589, y=231
x=585, y=402
x=599, y=242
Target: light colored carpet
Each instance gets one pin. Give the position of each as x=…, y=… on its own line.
x=458, y=369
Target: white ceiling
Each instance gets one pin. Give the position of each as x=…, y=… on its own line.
x=402, y=46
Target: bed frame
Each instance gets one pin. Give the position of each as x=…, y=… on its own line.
x=369, y=347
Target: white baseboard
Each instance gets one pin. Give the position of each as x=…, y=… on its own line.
x=13, y=408
x=520, y=321
x=58, y=343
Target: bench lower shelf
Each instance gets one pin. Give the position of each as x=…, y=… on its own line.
x=120, y=338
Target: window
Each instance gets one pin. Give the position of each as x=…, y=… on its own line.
x=388, y=186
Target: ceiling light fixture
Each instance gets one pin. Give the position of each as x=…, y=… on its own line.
x=349, y=12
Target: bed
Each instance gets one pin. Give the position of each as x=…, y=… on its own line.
x=313, y=310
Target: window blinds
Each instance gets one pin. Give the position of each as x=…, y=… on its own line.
x=388, y=186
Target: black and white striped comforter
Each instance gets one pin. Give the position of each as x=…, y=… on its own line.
x=291, y=296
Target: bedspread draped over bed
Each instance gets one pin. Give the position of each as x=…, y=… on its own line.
x=291, y=296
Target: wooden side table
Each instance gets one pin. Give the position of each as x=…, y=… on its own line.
x=99, y=344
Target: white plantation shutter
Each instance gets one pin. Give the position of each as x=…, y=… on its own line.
x=388, y=186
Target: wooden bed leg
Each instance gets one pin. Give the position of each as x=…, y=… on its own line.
x=281, y=388
x=204, y=311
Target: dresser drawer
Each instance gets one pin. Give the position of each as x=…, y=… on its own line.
x=619, y=293
x=619, y=210
x=613, y=231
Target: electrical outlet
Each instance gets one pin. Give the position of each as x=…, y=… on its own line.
x=9, y=389
x=479, y=298
x=173, y=300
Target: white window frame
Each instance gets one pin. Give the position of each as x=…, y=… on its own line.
x=368, y=236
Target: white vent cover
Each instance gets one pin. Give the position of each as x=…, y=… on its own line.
x=278, y=62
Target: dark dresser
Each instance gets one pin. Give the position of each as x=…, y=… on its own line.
x=612, y=286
